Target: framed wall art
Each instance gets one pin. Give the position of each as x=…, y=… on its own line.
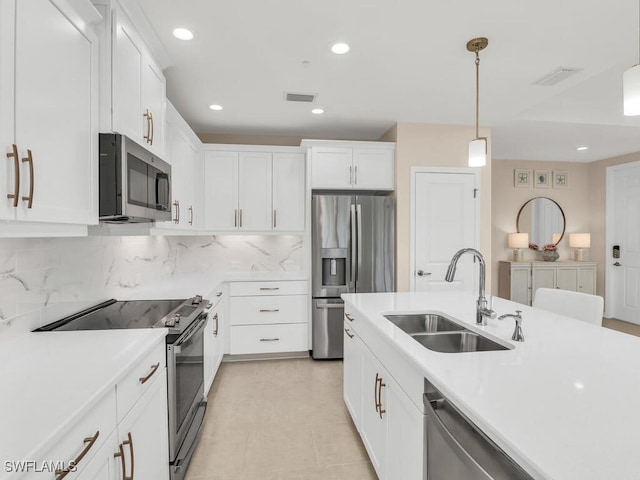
x=560, y=179
x=541, y=178
x=521, y=178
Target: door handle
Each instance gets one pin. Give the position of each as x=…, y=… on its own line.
x=617, y=264
x=29, y=198
x=16, y=166
x=354, y=247
x=422, y=273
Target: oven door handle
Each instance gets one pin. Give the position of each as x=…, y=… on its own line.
x=190, y=333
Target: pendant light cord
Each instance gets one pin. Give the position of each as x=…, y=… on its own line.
x=477, y=94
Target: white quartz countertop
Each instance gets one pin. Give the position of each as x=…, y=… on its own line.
x=564, y=404
x=50, y=379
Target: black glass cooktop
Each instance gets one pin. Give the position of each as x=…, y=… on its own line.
x=119, y=315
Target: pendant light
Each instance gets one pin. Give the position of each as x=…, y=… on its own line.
x=631, y=87
x=477, y=146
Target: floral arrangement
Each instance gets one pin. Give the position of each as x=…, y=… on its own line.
x=550, y=247
x=533, y=246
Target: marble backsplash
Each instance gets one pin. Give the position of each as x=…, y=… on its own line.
x=47, y=271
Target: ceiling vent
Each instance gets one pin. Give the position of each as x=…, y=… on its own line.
x=557, y=76
x=300, y=97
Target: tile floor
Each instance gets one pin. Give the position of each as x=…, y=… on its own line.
x=279, y=420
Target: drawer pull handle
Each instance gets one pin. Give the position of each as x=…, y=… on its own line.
x=349, y=317
x=16, y=173
x=269, y=288
x=120, y=454
x=215, y=331
x=209, y=305
x=347, y=332
x=60, y=474
x=153, y=370
x=219, y=294
x=276, y=339
x=266, y=310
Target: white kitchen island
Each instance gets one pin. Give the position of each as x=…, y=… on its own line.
x=563, y=404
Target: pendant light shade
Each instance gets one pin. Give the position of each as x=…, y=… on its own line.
x=477, y=146
x=631, y=91
x=478, y=152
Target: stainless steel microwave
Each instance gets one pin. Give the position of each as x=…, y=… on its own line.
x=135, y=185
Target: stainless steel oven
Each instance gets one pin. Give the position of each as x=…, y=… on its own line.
x=185, y=375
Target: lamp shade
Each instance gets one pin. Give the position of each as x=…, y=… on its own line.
x=631, y=91
x=478, y=152
x=580, y=240
x=518, y=240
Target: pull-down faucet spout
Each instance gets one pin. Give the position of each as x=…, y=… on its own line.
x=482, y=309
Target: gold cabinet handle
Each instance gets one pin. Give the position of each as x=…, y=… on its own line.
x=347, y=332
x=380, y=385
x=16, y=181
x=152, y=130
x=215, y=331
x=153, y=370
x=60, y=474
x=235, y=218
x=147, y=115
x=190, y=214
x=375, y=393
x=120, y=454
x=29, y=159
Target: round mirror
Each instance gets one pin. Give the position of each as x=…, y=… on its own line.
x=543, y=220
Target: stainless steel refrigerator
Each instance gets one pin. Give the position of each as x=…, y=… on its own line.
x=353, y=243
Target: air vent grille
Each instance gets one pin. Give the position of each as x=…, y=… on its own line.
x=557, y=76
x=299, y=97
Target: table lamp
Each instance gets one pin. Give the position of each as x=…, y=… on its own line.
x=518, y=241
x=579, y=241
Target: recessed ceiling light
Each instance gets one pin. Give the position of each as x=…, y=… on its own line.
x=580, y=149
x=317, y=111
x=215, y=107
x=183, y=33
x=339, y=48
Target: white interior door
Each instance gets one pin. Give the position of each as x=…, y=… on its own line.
x=623, y=292
x=445, y=219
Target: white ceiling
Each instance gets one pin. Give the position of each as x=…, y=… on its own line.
x=408, y=63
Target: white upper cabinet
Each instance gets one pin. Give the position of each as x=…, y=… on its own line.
x=254, y=191
x=354, y=166
x=288, y=191
x=49, y=112
x=136, y=100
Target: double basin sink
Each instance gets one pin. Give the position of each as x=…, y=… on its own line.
x=441, y=334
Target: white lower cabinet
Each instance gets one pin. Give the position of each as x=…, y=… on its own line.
x=143, y=449
x=390, y=424
x=268, y=317
x=102, y=466
x=214, y=333
x=352, y=373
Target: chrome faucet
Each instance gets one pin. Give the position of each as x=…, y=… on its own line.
x=482, y=308
x=518, y=336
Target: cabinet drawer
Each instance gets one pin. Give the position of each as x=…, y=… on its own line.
x=268, y=288
x=263, y=310
x=87, y=435
x=140, y=378
x=269, y=338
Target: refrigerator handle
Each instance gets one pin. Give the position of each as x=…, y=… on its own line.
x=354, y=247
x=359, y=246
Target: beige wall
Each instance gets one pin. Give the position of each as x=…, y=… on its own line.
x=433, y=146
x=507, y=200
x=597, y=212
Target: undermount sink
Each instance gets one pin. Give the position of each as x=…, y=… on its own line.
x=441, y=334
x=457, y=342
x=423, y=323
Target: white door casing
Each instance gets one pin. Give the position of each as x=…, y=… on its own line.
x=445, y=217
x=623, y=229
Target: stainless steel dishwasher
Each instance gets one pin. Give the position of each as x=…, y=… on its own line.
x=458, y=450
